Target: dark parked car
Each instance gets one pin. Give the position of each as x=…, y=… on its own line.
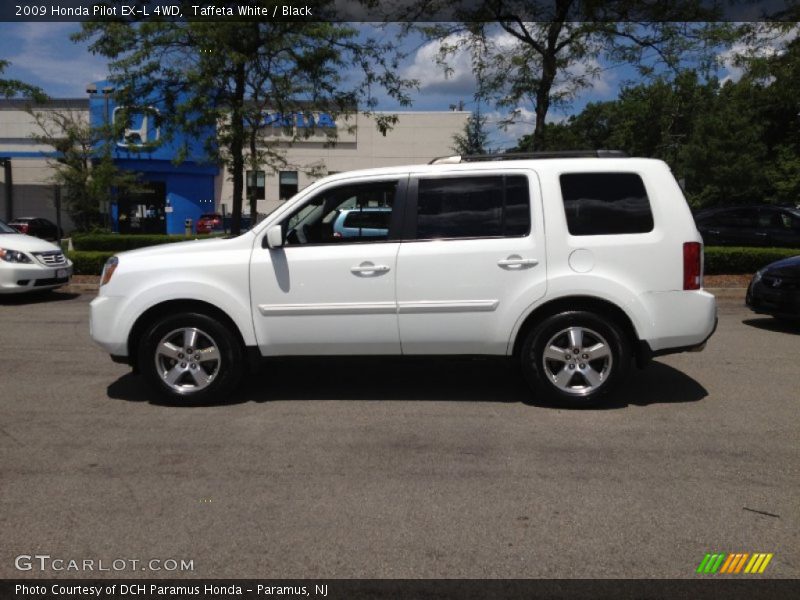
x=762, y=225
x=37, y=227
x=775, y=289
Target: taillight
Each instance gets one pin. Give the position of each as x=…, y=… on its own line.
x=692, y=265
x=22, y=228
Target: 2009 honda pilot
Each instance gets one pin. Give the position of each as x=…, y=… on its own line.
x=575, y=267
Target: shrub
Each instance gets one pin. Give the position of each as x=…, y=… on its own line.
x=730, y=260
x=113, y=242
x=88, y=263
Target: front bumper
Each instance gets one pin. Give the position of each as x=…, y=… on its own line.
x=778, y=302
x=103, y=325
x=18, y=278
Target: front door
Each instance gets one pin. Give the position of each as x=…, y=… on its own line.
x=331, y=289
x=475, y=261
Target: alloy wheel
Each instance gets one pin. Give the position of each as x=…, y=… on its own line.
x=187, y=360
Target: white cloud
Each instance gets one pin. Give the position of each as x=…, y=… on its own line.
x=460, y=80
x=432, y=76
x=764, y=45
x=504, y=135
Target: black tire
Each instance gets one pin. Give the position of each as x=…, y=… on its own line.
x=585, y=381
x=202, y=378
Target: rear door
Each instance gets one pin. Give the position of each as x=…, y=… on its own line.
x=472, y=260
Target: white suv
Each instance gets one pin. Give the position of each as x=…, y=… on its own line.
x=573, y=266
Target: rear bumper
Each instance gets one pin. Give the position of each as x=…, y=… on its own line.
x=679, y=320
x=646, y=352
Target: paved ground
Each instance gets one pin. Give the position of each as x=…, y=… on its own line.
x=398, y=469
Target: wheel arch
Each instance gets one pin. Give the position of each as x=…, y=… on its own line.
x=174, y=307
x=593, y=304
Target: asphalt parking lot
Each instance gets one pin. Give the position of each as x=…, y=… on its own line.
x=393, y=468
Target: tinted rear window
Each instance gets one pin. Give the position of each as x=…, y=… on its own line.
x=605, y=203
x=368, y=219
x=480, y=206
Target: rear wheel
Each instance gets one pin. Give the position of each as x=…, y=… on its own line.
x=191, y=359
x=575, y=359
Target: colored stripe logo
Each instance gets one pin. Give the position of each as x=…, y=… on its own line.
x=742, y=562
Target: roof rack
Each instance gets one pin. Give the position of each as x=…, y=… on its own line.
x=525, y=155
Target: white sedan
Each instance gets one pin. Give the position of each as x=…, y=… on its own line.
x=29, y=264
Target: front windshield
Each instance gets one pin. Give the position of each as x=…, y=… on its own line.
x=6, y=229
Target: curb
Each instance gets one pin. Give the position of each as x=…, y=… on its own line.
x=728, y=293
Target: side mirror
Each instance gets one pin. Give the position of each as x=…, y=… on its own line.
x=274, y=237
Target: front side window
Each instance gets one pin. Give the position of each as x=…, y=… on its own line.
x=469, y=207
x=605, y=203
x=348, y=213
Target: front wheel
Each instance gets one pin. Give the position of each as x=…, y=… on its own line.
x=575, y=359
x=191, y=359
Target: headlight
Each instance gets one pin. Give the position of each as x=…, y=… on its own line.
x=14, y=256
x=108, y=270
x=757, y=276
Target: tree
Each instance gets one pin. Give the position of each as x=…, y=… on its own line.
x=474, y=138
x=222, y=75
x=10, y=88
x=544, y=62
x=85, y=178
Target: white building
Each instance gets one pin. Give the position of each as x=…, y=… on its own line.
x=26, y=188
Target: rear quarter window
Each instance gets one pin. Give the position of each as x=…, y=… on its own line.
x=605, y=203
x=368, y=219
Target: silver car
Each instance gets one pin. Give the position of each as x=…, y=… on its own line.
x=29, y=264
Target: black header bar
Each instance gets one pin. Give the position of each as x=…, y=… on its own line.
x=400, y=10
x=711, y=587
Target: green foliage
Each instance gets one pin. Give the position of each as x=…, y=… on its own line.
x=731, y=260
x=88, y=263
x=530, y=67
x=85, y=180
x=737, y=143
x=474, y=137
x=225, y=75
x=122, y=242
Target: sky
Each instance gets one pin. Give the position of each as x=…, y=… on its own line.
x=42, y=54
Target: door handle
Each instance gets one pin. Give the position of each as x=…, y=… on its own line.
x=365, y=268
x=759, y=234
x=517, y=261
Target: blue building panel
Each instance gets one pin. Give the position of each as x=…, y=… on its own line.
x=183, y=191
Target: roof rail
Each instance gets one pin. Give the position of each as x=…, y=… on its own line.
x=524, y=155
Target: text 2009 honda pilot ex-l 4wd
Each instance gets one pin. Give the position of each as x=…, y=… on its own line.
x=574, y=267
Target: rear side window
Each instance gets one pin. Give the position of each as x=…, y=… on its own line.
x=368, y=219
x=605, y=203
x=469, y=207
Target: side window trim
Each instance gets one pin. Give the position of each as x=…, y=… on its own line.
x=409, y=232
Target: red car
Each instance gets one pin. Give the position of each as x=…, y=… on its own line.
x=209, y=222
